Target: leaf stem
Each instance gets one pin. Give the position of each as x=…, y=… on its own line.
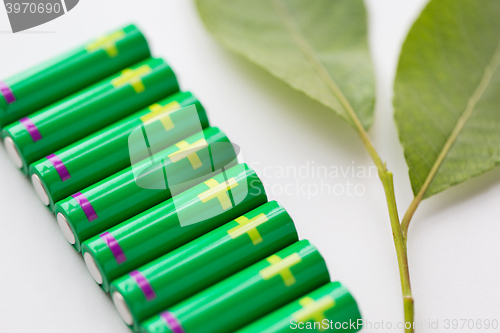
x=401, y=250
x=397, y=233
x=384, y=174
x=405, y=222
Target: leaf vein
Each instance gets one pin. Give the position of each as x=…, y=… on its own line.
x=303, y=44
x=471, y=104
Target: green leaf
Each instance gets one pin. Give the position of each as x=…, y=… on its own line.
x=318, y=47
x=447, y=94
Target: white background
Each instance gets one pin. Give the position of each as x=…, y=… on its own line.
x=453, y=245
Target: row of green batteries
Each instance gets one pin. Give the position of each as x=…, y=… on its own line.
x=167, y=220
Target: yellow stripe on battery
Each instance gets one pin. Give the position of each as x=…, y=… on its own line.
x=248, y=226
x=281, y=267
x=188, y=151
x=314, y=310
x=106, y=43
x=132, y=77
x=219, y=191
x=162, y=113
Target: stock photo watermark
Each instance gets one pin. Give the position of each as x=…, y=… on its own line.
x=484, y=325
x=25, y=14
x=206, y=156
x=311, y=179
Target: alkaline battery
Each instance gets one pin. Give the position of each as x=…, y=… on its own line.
x=58, y=125
x=55, y=79
x=143, y=185
x=106, y=152
x=328, y=308
x=173, y=223
x=247, y=295
x=202, y=262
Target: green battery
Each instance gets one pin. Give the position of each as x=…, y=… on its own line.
x=143, y=185
x=329, y=308
x=60, y=124
x=106, y=152
x=202, y=262
x=48, y=82
x=173, y=223
x=247, y=295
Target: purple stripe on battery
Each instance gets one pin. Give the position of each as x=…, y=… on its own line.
x=31, y=128
x=86, y=206
x=114, y=247
x=144, y=284
x=173, y=324
x=60, y=167
x=7, y=93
